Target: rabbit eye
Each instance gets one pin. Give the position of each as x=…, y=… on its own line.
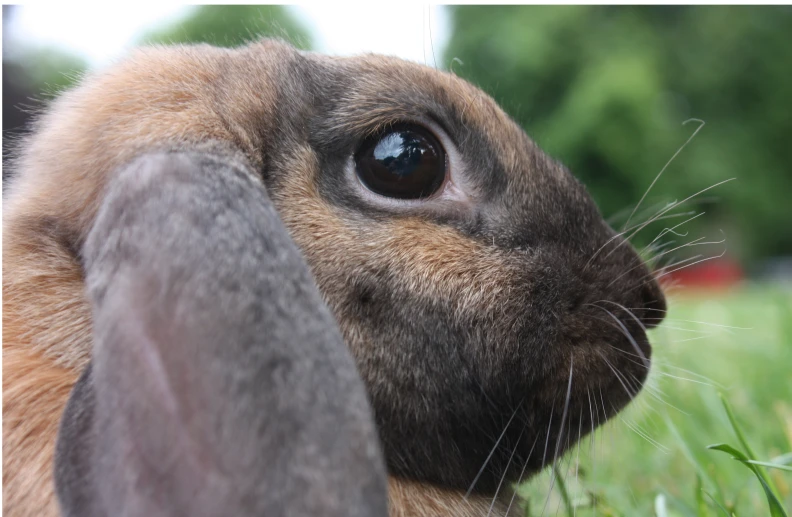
x=405, y=162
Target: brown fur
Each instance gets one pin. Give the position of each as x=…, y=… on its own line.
x=440, y=263
x=34, y=394
x=155, y=98
x=249, y=98
x=412, y=499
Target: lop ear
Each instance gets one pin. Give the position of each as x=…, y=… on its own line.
x=219, y=384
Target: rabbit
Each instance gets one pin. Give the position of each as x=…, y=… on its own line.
x=469, y=275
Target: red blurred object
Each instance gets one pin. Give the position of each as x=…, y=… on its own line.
x=713, y=274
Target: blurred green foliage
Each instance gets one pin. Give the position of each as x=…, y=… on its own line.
x=33, y=74
x=233, y=25
x=607, y=89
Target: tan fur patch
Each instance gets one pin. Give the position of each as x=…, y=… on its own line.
x=440, y=263
x=34, y=394
x=412, y=499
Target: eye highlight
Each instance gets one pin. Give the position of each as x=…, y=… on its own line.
x=404, y=161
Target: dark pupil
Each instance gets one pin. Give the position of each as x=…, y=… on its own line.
x=403, y=163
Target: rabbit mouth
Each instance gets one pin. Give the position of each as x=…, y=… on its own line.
x=480, y=409
x=484, y=433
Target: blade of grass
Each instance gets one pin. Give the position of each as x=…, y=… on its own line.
x=747, y=448
x=784, y=459
x=776, y=510
x=720, y=506
x=688, y=452
x=771, y=465
x=701, y=505
x=562, y=489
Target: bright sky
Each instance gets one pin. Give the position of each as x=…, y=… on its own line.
x=403, y=31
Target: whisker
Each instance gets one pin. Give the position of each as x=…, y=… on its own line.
x=470, y=490
x=666, y=374
x=525, y=464
x=560, y=430
x=653, y=274
x=426, y=63
x=628, y=311
x=670, y=216
x=654, y=395
x=633, y=427
x=642, y=365
x=671, y=230
x=618, y=377
x=660, y=255
x=505, y=471
x=565, y=467
x=691, y=339
x=591, y=415
x=711, y=382
x=658, y=394
x=636, y=386
x=604, y=415
x=626, y=332
x=611, y=220
x=647, y=309
x=682, y=329
x=701, y=125
x=704, y=323
x=650, y=251
x=664, y=273
x=699, y=244
x=431, y=42
x=647, y=223
x=640, y=323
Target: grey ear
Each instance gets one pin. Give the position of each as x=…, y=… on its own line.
x=220, y=384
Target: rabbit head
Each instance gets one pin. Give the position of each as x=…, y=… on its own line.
x=490, y=310
x=473, y=276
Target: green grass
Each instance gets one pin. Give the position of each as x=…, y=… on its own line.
x=621, y=473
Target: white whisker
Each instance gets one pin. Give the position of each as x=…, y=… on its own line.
x=656, y=218
x=505, y=471
x=560, y=430
x=626, y=333
x=525, y=464
x=701, y=125
x=671, y=230
x=475, y=480
x=670, y=216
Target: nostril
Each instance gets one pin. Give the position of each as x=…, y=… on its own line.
x=654, y=306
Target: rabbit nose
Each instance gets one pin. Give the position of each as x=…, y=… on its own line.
x=654, y=304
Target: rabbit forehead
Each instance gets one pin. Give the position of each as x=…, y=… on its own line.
x=371, y=91
x=379, y=84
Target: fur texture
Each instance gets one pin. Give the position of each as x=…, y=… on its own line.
x=219, y=383
x=464, y=318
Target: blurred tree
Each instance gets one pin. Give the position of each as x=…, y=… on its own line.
x=232, y=25
x=31, y=75
x=606, y=90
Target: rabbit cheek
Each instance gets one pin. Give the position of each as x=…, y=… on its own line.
x=412, y=316
x=454, y=336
